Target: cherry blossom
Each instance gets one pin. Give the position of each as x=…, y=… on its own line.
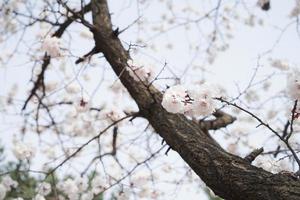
x=39, y=197
x=98, y=185
x=123, y=195
x=293, y=84
x=9, y=183
x=43, y=188
x=82, y=184
x=280, y=64
x=82, y=105
x=113, y=114
x=52, y=45
x=202, y=101
x=87, y=196
x=194, y=102
x=23, y=150
x=3, y=191
x=296, y=10
x=174, y=99
x=140, y=72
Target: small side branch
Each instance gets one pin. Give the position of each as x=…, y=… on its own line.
x=252, y=156
x=46, y=59
x=284, y=140
x=87, y=56
x=222, y=120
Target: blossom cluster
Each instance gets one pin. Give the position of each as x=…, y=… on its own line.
x=6, y=185
x=75, y=189
x=296, y=10
x=293, y=84
x=23, y=150
x=52, y=45
x=140, y=72
x=279, y=64
x=194, y=102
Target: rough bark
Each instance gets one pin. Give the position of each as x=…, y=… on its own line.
x=229, y=176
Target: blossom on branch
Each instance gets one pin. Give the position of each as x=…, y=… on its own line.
x=52, y=46
x=23, y=151
x=203, y=102
x=280, y=64
x=293, y=85
x=140, y=72
x=195, y=102
x=43, y=188
x=174, y=100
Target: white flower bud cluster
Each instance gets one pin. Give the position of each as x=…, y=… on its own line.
x=195, y=102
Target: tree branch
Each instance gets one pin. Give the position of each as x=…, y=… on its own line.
x=46, y=59
x=251, y=157
x=222, y=120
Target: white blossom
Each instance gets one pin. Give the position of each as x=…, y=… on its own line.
x=144, y=192
x=98, y=185
x=250, y=20
x=86, y=34
x=113, y=114
x=82, y=105
x=279, y=64
x=140, y=180
x=9, y=183
x=194, y=102
x=202, y=103
x=293, y=84
x=50, y=152
x=2, y=192
x=52, y=45
x=39, y=197
x=267, y=163
x=296, y=10
x=174, y=99
x=82, y=184
x=73, y=89
x=140, y=72
x=43, y=188
x=88, y=196
x=123, y=195
x=69, y=187
x=23, y=151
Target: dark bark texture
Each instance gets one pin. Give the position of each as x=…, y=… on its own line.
x=229, y=176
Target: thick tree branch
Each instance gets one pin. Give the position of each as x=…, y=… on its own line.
x=229, y=176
